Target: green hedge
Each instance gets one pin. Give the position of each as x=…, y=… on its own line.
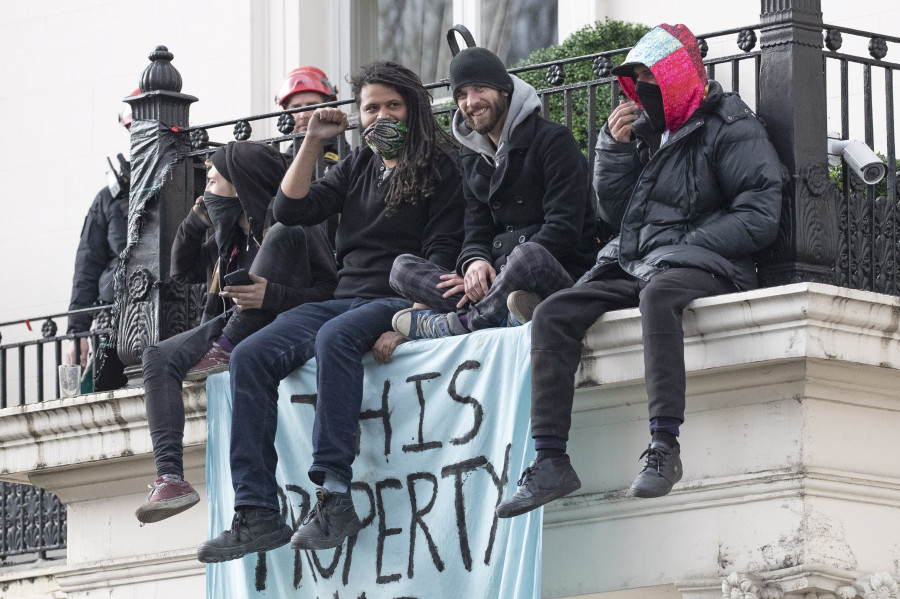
x=590, y=39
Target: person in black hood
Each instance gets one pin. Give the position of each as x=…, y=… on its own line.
x=688, y=175
x=226, y=231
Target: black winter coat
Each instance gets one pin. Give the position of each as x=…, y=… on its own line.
x=542, y=192
x=102, y=240
x=709, y=198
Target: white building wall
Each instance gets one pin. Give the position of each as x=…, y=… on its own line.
x=70, y=64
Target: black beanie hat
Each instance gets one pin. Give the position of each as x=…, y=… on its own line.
x=478, y=66
x=218, y=160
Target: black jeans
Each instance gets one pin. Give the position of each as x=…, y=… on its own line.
x=166, y=363
x=561, y=321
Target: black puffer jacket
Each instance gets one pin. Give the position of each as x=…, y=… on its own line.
x=709, y=198
x=102, y=240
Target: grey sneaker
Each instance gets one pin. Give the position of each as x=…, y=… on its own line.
x=414, y=323
x=332, y=520
x=253, y=529
x=541, y=483
x=662, y=469
x=521, y=306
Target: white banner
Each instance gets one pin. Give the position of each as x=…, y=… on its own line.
x=444, y=436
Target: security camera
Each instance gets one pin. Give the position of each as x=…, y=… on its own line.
x=858, y=156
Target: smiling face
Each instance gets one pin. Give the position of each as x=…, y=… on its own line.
x=300, y=100
x=378, y=101
x=483, y=108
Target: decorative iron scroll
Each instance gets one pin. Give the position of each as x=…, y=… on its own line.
x=31, y=521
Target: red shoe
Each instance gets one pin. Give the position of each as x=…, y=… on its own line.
x=170, y=494
x=215, y=360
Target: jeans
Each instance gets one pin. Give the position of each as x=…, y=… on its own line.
x=530, y=267
x=337, y=333
x=561, y=321
x=166, y=363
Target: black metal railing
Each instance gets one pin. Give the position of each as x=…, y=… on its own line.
x=811, y=246
x=32, y=524
x=24, y=375
x=868, y=218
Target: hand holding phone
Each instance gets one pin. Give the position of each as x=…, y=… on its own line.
x=237, y=278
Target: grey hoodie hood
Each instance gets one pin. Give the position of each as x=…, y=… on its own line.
x=523, y=102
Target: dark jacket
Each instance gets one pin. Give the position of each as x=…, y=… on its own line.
x=256, y=174
x=102, y=240
x=367, y=239
x=535, y=187
x=709, y=198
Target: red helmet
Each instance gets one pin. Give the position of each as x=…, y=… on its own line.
x=125, y=116
x=305, y=79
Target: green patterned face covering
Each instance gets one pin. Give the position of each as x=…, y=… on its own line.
x=386, y=137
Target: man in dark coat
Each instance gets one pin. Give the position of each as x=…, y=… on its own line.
x=102, y=240
x=694, y=185
x=530, y=220
x=226, y=231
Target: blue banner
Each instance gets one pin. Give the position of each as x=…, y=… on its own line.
x=443, y=437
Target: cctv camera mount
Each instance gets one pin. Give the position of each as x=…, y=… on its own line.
x=858, y=156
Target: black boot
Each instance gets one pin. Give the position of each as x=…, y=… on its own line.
x=542, y=482
x=661, y=470
x=332, y=520
x=253, y=529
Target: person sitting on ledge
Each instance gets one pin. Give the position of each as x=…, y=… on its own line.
x=694, y=186
x=399, y=193
x=530, y=221
x=220, y=235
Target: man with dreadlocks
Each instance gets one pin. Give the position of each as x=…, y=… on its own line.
x=397, y=194
x=530, y=223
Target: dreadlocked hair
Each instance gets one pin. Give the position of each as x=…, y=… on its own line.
x=416, y=172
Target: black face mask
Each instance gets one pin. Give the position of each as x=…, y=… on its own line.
x=224, y=213
x=651, y=99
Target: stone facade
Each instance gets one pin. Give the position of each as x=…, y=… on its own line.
x=790, y=488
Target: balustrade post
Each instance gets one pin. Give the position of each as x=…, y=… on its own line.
x=150, y=306
x=792, y=103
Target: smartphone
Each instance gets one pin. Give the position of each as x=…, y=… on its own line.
x=238, y=277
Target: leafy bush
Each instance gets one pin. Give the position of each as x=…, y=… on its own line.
x=590, y=39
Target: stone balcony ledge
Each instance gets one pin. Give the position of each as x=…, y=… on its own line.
x=792, y=413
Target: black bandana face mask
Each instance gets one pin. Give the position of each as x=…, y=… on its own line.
x=224, y=213
x=651, y=99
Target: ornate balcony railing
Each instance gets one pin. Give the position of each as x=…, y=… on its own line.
x=32, y=524
x=846, y=235
x=24, y=375
x=868, y=218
